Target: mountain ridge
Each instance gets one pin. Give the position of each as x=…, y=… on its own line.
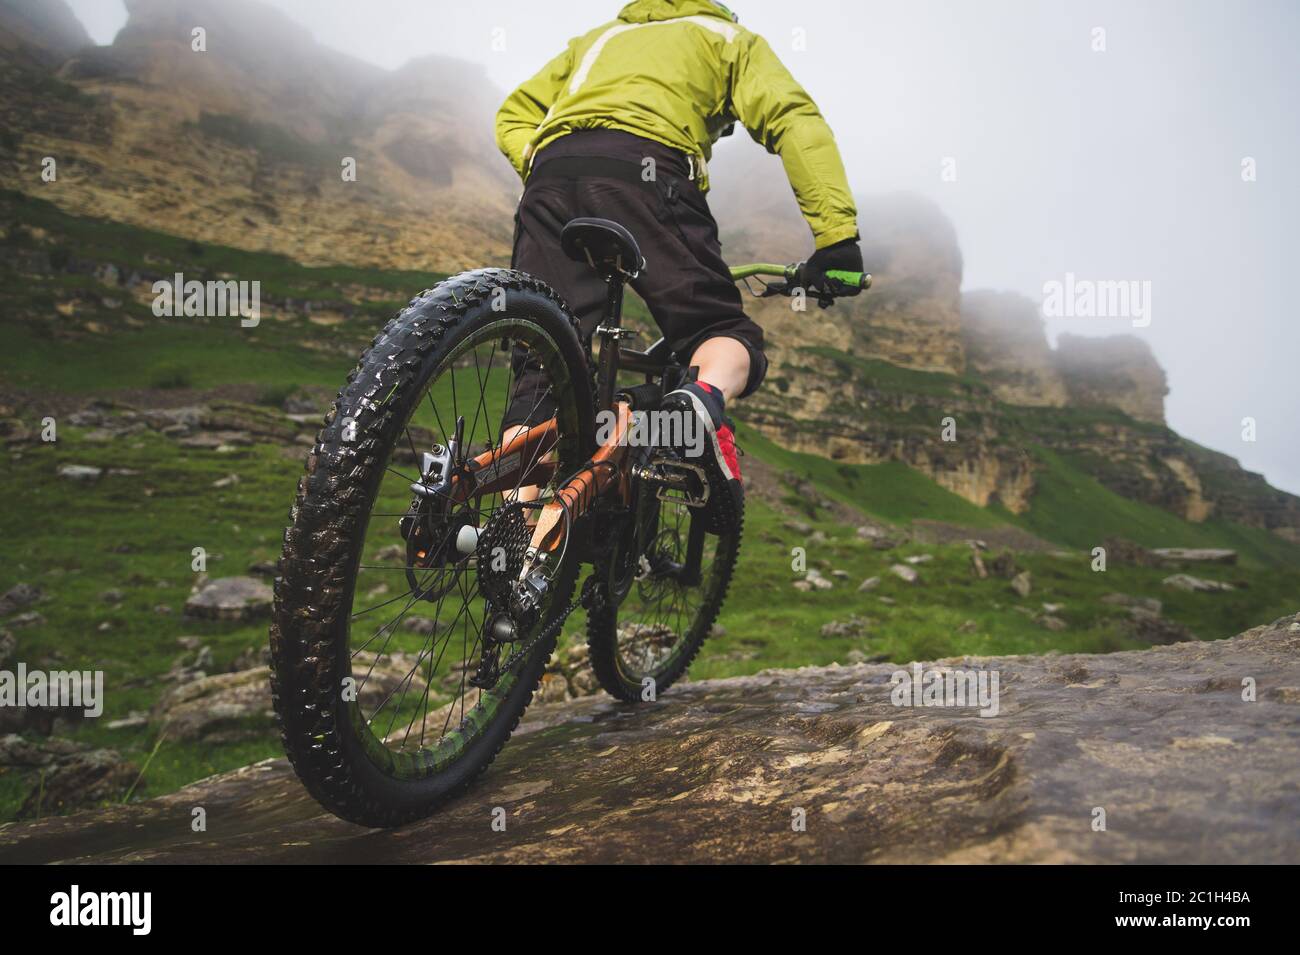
x=242, y=146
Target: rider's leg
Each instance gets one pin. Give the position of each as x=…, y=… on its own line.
x=723, y=363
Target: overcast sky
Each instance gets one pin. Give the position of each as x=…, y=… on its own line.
x=1122, y=164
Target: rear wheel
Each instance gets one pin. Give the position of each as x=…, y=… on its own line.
x=653, y=613
x=379, y=617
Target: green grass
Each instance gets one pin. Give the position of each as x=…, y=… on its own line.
x=171, y=354
x=895, y=378
x=1072, y=508
x=135, y=533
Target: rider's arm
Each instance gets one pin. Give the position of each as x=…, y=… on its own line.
x=782, y=117
x=525, y=108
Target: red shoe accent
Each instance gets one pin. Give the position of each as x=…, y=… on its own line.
x=727, y=444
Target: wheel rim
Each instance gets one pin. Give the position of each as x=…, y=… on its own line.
x=410, y=658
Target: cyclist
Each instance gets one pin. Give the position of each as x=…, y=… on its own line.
x=621, y=126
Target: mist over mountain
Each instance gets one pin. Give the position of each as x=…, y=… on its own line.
x=244, y=143
x=44, y=31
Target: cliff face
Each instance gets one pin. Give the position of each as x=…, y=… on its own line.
x=44, y=31
x=1004, y=341
x=865, y=411
x=1117, y=371
x=244, y=144
x=1005, y=344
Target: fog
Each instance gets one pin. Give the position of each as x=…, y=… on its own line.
x=1120, y=164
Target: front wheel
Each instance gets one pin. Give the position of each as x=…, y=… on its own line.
x=378, y=636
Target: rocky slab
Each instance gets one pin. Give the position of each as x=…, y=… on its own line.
x=1196, y=555
x=230, y=598
x=1185, y=769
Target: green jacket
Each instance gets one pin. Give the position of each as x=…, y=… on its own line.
x=680, y=72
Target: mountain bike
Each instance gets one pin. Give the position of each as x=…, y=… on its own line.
x=433, y=553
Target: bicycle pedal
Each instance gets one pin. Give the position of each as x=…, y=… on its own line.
x=678, y=481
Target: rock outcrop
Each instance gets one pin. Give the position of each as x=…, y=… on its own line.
x=1126, y=757
x=1117, y=371
x=1006, y=345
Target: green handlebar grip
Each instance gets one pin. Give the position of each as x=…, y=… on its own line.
x=791, y=274
x=851, y=279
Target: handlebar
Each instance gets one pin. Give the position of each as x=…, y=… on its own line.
x=790, y=273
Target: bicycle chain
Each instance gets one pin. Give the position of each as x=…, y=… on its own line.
x=592, y=598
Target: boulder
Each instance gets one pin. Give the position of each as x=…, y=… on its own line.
x=230, y=598
x=18, y=597
x=1022, y=583
x=854, y=626
x=905, y=573
x=1152, y=628
x=1196, y=584
x=61, y=776
x=1149, y=604
x=1196, y=555
x=80, y=472
x=1121, y=550
x=230, y=707
x=816, y=581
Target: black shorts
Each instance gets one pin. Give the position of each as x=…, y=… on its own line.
x=685, y=282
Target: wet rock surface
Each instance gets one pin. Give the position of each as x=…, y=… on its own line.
x=1186, y=770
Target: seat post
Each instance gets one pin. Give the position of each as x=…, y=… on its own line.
x=610, y=331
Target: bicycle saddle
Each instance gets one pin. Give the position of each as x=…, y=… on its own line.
x=604, y=244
